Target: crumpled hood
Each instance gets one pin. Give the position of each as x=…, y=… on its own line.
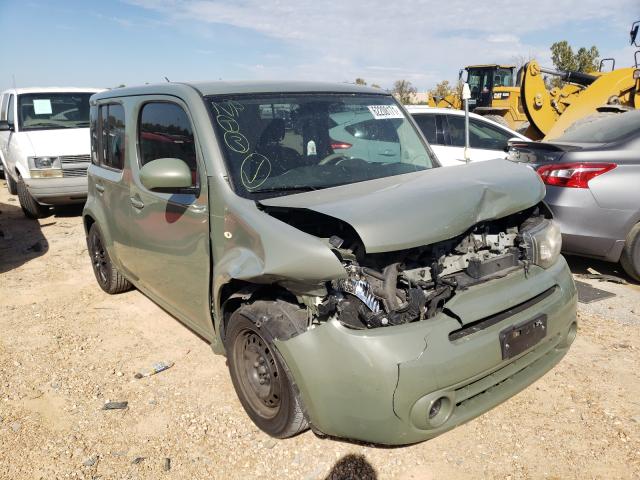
x=422, y=208
x=58, y=142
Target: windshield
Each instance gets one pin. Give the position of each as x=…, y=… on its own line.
x=44, y=111
x=604, y=130
x=279, y=144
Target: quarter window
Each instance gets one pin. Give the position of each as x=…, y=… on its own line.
x=10, y=116
x=165, y=131
x=111, y=136
x=3, y=107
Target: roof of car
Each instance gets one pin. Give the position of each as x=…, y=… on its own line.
x=230, y=88
x=20, y=91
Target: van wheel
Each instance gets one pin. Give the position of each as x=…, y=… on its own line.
x=108, y=276
x=11, y=184
x=258, y=372
x=30, y=207
x=630, y=258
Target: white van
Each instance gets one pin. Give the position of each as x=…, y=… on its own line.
x=45, y=145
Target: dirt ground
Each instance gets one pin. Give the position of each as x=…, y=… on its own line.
x=66, y=348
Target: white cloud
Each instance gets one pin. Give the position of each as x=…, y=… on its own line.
x=420, y=40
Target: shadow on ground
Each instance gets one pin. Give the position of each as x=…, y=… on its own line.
x=585, y=266
x=352, y=467
x=21, y=239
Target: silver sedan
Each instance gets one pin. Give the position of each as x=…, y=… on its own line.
x=592, y=175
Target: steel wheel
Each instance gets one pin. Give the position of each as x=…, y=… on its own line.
x=259, y=373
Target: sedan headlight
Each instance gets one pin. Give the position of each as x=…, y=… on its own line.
x=543, y=242
x=44, y=167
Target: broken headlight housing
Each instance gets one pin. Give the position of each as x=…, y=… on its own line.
x=543, y=242
x=45, y=167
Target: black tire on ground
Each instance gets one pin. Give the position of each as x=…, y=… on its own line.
x=258, y=372
x=497, y=119
x=630, y=258
x=30, y=207
x=12, y=186
x=107, y=275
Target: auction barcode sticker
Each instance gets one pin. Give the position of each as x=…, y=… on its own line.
x=380, y=112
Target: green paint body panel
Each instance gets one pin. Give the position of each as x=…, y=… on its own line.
x=182, y=251
x=364, y=384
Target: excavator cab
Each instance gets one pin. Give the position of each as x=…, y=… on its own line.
x=482, y=80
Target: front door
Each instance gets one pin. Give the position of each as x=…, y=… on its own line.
x=169, y=250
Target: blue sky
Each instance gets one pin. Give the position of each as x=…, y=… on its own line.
x=107, y=43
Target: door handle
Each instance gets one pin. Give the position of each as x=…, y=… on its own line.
x=387, y=153
x=136, y=202
x=100, y=187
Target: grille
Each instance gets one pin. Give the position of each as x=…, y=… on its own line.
x=74, y=172
x=74, y=165
x=69, y=159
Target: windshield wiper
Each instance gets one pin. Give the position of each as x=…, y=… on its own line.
x=287, y=188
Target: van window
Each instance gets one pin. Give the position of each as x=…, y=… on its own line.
x=10, y=116
x=164, y=131
x=112, y=139
x=3, y=106
x=47, y=111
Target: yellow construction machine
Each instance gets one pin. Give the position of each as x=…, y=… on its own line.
x=530, y=106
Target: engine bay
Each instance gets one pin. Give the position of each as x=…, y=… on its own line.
x=394, y=288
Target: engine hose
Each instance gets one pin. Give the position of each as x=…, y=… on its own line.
x=390, y=286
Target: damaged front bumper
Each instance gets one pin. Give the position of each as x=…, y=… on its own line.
x=382, y=385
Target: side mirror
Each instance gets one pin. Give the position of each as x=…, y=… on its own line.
x=165, y=173
x=5, y=126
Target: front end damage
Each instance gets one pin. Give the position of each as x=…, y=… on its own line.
x=402, y=344
x=405, y=345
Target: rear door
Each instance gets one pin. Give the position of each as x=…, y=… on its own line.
x=431, y=125
x=486, y=142
x=169, y=230
x=109, y=187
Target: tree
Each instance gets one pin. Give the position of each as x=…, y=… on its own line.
x=563, y=57
x=360, y=81
x=403, y=91
x=442, y=90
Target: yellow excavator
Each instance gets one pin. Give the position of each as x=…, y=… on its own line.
x=531, y=107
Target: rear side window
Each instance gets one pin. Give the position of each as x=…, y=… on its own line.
x=165, y=131
x=108, y=137
x=378, y=130
x=481, y=134
x=427, y=124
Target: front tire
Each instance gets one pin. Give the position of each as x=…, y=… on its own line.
x=107, y=275
x=30, y=206
x=258, y=372
x=630, y=258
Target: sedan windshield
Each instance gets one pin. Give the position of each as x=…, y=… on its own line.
x=281, y=144
x=44, y=111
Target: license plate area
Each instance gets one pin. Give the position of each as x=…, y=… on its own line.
x=517, y=338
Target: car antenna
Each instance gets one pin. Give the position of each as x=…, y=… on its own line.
x=168, y=81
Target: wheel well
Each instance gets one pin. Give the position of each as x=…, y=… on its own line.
x=238, y=292
x=88, y=221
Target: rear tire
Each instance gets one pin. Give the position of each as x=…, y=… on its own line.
x=30, y=207
x=630, y=258
x=258, y=372
x=12, y=186
x=107, y=275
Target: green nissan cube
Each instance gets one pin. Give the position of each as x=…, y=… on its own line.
x=308, y=232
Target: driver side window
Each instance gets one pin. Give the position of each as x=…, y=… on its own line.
x=165, y=131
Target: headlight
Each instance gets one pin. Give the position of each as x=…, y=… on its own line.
x=543, y=243
x=42, y=167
